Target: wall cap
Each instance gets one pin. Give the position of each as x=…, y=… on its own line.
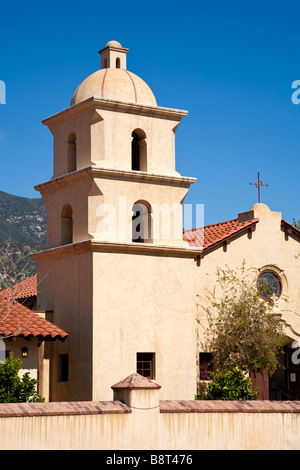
x=136, y=382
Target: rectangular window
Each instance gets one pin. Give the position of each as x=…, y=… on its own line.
x=145, y=364
x=63, y=367
x=206, y=366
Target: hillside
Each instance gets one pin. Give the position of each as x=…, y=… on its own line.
x=22, y=220
x=23, y=228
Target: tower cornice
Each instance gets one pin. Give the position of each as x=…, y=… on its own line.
x=98, y=246
x=117, y=174
x=114, y=105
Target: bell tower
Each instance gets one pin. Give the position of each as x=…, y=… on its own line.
x=119, y=146
x=113, y=55
x=114, y=203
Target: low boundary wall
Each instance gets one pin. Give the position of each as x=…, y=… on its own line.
x=166, y=425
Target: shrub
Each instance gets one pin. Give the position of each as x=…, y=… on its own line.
x=231, y=385
x=13, y=388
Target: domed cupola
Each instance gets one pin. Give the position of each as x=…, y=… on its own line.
x=114, y=81
x=115, y=125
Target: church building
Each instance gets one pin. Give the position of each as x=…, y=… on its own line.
x=117, y=273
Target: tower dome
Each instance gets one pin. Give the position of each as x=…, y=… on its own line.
x=113, y=81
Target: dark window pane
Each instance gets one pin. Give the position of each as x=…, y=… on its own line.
x=206, y=366
x=269, y=284
x=63, y=368
x=145, y=365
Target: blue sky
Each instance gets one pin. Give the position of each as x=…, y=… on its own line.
x=230, y=64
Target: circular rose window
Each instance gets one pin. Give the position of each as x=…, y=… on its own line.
x=269, y=285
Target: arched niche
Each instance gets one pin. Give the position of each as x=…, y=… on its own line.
x=141, y=222
x=138, y=150
x=66, y=225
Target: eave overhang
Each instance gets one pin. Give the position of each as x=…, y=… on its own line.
x=116, y=106
x=113, y=173
x=118, y=247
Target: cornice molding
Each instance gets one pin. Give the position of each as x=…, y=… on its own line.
x=114, y=105
x=118, y=247
x=117, y=174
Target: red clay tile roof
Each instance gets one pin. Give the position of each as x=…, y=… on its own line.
x=17, y=320
x=212, y=235
x=290, y=227
x=24, y=289
x=136, y=382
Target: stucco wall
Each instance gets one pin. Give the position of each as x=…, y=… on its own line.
x=71, y=312
x=172, y=425
x=150, y=314
x=103, y=131
x=267, y=248
x=30, y=363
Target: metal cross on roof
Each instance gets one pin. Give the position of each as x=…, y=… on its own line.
x=258, y=184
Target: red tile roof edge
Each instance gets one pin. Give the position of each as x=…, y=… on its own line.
x=19, y=321
x=291, y=227
x=23, y=289
x=227, y=234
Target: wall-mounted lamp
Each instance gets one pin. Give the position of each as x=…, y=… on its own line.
x=24, y=352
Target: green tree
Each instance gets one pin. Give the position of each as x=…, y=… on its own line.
x=244, y=330
x=13, y=388
x=296, y=223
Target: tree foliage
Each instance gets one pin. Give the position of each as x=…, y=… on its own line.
x=296, y=223
x=244, y=330
x=231, y=385
x=13, y=388
x=15, y=264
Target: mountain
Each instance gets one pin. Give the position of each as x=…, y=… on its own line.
x=22, y=231
x=22, y=220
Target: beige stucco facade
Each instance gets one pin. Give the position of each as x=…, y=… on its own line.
x=269, y=247
x=30, y=362
x=143, y=422
x=114, y=296
x=108, y=326
x=117, y=296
